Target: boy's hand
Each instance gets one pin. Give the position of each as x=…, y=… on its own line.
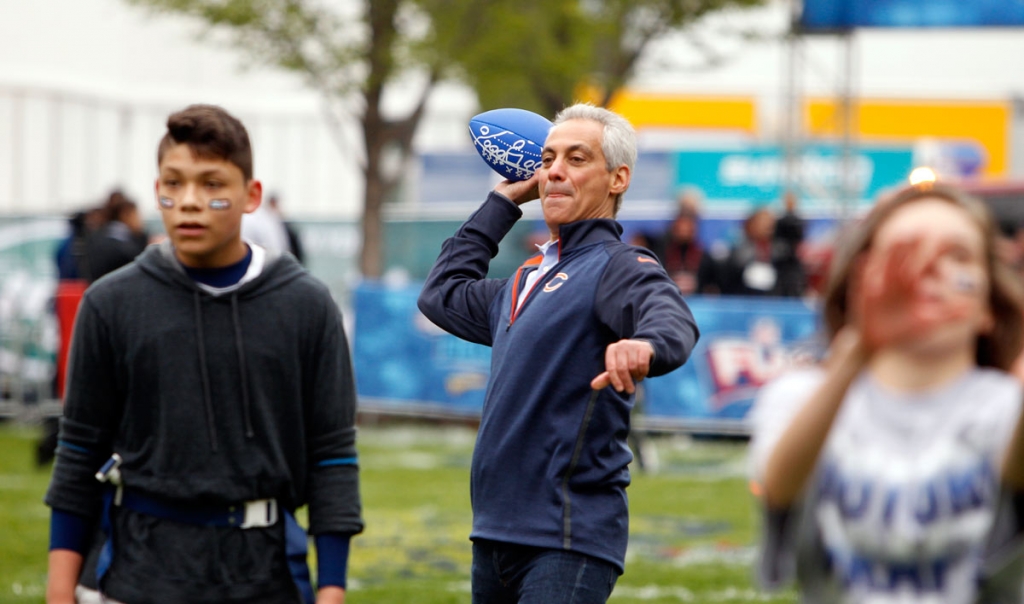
x=64, y=567
x=330, y=594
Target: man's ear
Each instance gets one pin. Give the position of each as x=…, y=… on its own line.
x=253, y=196
x=620, y=180
x=156, y=193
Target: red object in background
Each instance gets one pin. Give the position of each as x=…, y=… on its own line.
x=69, y=296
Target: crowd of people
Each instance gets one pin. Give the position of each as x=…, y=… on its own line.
x=764, y=261
x=102, y=239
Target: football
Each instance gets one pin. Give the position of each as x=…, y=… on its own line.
x=510, y=140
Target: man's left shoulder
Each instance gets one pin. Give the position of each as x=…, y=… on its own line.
x=631, y=257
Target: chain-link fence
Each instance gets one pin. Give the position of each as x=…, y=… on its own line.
x=28, y=328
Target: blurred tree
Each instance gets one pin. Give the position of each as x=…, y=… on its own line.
x=543, y=54
x=533, y=54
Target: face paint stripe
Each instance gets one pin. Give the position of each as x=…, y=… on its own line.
x=214, y=204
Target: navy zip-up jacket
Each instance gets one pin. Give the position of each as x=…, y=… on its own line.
x=550, y=463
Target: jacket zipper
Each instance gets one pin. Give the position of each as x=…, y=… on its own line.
x=514, y=312
x=577, y=451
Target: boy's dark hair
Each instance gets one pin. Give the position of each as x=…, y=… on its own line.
x=211, y=133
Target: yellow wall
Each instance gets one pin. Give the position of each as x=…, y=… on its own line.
x=676, y=111
x=877, y=120
x=988, y=123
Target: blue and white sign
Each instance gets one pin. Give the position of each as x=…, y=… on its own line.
x=845, y=14
x=745, y=178
x=406, y=364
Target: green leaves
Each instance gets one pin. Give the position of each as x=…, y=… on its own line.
x=533, y=54
x=541, y=54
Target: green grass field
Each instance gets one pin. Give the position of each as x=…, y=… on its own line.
x=691, y=532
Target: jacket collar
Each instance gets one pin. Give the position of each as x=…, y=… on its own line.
x=586, y=232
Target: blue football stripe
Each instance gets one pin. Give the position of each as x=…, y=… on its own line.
x=64, y=443
x=339, y=461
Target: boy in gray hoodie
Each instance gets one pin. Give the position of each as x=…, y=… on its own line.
x=210, y=395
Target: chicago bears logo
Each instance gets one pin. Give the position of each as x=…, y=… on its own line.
x=556, y=282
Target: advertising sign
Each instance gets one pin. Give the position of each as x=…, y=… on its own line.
x=845, y=14
x=736, y=180
x=406, y=364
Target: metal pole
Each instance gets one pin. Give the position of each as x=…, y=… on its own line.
x=849, y=192
x=792, y=105
x=17, y=148
x=126, y=117
x=56, y=169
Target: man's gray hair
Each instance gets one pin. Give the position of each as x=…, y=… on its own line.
x=618, y=142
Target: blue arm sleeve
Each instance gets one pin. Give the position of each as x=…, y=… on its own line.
x=332, y=559
x=69, y=531
x=457, y=295
x=638, y=300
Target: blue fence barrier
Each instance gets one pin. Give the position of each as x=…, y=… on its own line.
x=405, y=364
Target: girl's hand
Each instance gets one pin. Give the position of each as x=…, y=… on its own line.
x=889, y=303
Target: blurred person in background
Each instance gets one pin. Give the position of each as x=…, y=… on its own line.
x=69, y=249
x=788, y=239
x=684, y=257
x=750, y=268
x=894, y=471
x=93, y=248
x=117, y=242
x=266, y=228
x=70, y=287
x=294, y=239
x=211, y=395
x=571, y=334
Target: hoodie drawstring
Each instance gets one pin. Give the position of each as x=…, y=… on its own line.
x=204, y=372
x=241, y=365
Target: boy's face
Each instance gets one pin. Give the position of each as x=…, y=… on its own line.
x=202, y=202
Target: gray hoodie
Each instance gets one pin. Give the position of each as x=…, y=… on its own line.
x=209, y=400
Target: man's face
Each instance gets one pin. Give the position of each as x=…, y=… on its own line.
x=202, y=202
x=574, y=180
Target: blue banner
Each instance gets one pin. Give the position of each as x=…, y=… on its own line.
x=403, y=362
x=744, y=178
x=846, y=14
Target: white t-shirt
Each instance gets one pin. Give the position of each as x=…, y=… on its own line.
x=905, y=504
x=265, y=228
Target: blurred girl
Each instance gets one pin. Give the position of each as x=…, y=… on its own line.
x=891, y=472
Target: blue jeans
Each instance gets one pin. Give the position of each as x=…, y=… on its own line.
x=506, y=573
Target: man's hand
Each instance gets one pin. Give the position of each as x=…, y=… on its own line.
x=519, y=192
x=626, y=362
x=330, y=594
